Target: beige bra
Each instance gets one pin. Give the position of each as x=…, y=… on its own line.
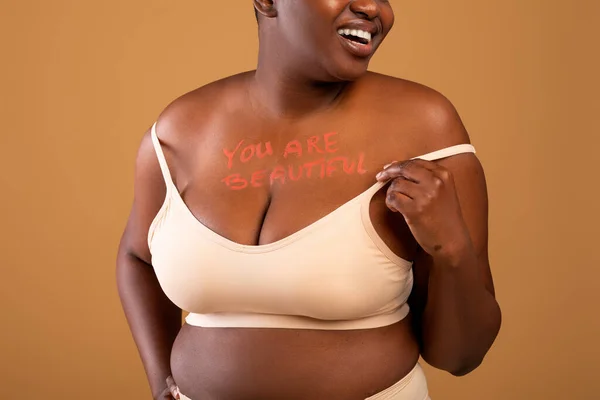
x=336, y=273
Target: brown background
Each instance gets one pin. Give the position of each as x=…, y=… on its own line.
x=81, y=81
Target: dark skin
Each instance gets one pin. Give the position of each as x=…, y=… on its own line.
x=434, y=213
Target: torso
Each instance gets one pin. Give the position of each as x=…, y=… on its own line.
x=250, y=364
x=233, y=195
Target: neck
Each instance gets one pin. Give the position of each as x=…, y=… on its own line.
x=282, y=89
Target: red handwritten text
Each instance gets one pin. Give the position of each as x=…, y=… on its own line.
x=248, y=152
x=319, y=169
x=319, y=148
x=312, y=145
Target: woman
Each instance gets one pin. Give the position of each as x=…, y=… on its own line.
x=270, y=206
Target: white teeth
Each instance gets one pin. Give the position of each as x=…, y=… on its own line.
x=356, y=32
x=364, y=35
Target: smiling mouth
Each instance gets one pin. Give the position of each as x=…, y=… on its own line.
x=356, y=35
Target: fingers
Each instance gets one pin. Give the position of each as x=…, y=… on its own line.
x=405, y=187
x=397, y=202
x=415, y=183
x=414, y=170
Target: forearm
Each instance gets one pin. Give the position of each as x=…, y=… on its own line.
x=461, y=318
x=153, y=319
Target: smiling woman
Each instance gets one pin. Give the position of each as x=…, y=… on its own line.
x=336, y=267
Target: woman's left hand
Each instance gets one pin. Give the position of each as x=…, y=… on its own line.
x=424, y=193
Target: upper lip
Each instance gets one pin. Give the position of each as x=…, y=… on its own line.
x=361, y=24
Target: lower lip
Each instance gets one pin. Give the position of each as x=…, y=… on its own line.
x=357, y=49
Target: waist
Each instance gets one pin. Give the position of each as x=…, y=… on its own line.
x=240, y=364
x=250, y=320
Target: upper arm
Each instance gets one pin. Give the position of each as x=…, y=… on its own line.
x=471, y=189
x=149, y=195
x=442, y=127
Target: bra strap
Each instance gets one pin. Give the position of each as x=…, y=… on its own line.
x=434, y=155
x=161, y=158
x=447, y=152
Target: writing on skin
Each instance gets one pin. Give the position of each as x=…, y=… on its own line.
x=320, y=151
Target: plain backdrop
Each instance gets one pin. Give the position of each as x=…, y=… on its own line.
x=81, y=81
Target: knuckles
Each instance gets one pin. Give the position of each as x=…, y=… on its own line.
x=397, y=184
x=429, y=191
x=444, y=175
x=390, y=198
x=419, y=209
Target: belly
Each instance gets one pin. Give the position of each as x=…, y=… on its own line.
x=250, y=364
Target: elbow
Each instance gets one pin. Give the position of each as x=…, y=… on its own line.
x=465, y=367
x=456, y=366
x=466, y=355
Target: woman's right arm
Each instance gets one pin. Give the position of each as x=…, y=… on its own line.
x=153, y=319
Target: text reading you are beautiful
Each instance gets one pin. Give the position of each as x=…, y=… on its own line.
x=316, y=157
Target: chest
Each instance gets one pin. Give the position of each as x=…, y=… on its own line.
x=256, y=183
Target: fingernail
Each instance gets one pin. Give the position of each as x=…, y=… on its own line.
x=379, y=175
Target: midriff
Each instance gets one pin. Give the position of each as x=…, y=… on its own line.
x=264, y=364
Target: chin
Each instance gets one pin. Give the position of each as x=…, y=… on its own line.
x=350, y=71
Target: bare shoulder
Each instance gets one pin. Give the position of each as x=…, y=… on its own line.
x=187, y=114
x=429, y=117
